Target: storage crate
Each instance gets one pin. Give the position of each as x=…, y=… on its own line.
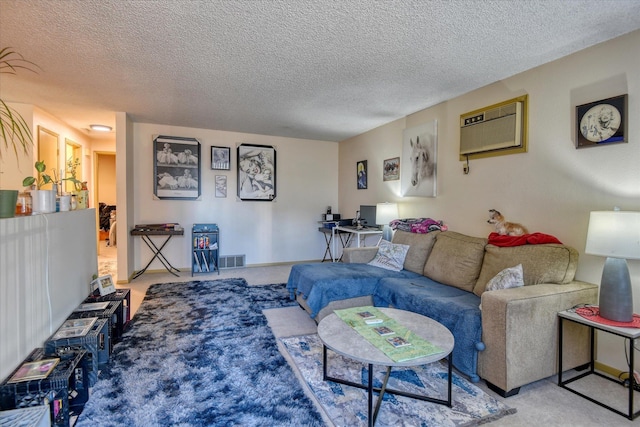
x=112, y=312
x=37, y=416
x=96, y=341
x=65, y=389
x=123, y=295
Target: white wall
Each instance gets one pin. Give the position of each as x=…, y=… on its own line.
x=266, y=232
x=46, y=267
x=550, y=189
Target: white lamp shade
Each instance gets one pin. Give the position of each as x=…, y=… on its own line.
x=386, y=212
x=614, y=234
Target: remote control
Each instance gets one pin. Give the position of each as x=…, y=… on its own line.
x=373, y=321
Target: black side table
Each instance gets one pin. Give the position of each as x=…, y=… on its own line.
x=629, y=333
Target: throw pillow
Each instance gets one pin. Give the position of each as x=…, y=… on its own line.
x=390, y=256
x=512, y=277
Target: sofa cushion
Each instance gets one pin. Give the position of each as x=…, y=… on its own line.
x=547, y=263
x=420, y=246
x=456, y=259
x=507, y=278
x=390, y=256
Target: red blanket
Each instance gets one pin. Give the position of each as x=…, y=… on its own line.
x=526, y=239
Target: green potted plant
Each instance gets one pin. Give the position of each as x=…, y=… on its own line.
x=15, y=133
x=44, y=201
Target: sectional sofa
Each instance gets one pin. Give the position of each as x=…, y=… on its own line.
x=508, y=337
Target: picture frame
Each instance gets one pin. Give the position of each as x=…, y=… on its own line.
x=221, y=186
x=603, y=122
x=176, y=168
x=220, y=158
x=418, y=176
x=361, y=175
x=391, y=169
x=104, y=285
x=256, y=168
x=37, y=370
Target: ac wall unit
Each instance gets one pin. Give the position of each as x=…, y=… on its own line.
x=494, y=128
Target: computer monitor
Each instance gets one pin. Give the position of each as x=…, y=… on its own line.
x=368, y=215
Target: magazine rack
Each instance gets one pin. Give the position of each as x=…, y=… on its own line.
x=65, y=389
x=205, y=248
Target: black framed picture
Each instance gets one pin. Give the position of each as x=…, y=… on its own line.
x=176, y=168
x=602, y=122
x=256, y=165
x=361, y=174
x=391, y=169
x=221, y=158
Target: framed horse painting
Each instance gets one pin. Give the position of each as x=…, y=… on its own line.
x=419, y=155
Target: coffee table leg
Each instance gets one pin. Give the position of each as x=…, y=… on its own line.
x=372, y=421
x=380, y=396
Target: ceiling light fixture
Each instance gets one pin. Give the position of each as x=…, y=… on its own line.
x=100, y=128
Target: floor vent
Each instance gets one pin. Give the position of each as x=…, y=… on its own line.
x=232, y=261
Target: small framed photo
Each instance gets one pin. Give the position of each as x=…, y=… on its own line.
x=361, y=174
x=221, y=158
x=104, y=285
x=391, y=169
x=602, y=122
x=221, y=186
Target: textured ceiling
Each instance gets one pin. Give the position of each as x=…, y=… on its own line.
x=323, y=70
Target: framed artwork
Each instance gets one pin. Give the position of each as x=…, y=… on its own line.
x=29, y=371
x=602, y=122
x=361, y=174
x=104, y=284
x=256, y=172
x=221, y=186
x=176, y=168
x=419, y=154
x=391, y=169
x=221, y=158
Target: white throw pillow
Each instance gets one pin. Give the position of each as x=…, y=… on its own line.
x=390, y=256
x=512, y=277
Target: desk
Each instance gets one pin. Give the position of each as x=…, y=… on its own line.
x=146, y=234
x=359, y=233
x=629, y=333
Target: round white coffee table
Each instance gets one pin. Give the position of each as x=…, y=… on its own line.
x=341, y=338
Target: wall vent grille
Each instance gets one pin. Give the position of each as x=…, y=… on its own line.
x=232, y=261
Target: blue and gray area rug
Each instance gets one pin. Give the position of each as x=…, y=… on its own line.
x=201, y=354
x=347, y=406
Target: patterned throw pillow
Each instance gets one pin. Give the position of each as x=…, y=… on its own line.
x=508, y=278
x=390, y=256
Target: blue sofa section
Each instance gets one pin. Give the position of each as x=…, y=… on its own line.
x=456, y=309
x=320, y=284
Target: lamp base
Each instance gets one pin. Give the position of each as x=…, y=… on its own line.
x=616, y=297
x=387, y=233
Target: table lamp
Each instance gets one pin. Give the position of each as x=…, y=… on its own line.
x=615, y=235
x=385, y=213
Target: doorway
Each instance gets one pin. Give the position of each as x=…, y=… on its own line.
x=105, y=200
